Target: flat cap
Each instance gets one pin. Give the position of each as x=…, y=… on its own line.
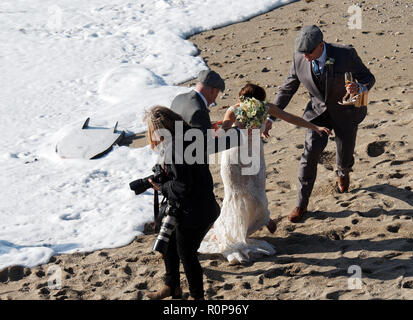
x=211, y=79
x=308, y=39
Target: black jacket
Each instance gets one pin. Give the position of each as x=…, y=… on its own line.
x=193, y=110
x=191, y=186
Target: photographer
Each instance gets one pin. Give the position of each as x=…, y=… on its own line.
x=189, y=191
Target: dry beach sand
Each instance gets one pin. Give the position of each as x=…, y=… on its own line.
x=370, y=227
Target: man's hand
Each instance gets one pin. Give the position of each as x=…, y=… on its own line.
x=156, y=186
x=268, y=126
x=320, y=131
x=352, y=88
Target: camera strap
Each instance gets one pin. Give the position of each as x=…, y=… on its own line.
x=155, y=206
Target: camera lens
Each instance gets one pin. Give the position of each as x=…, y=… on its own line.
x=162, y=240
x=140, y=185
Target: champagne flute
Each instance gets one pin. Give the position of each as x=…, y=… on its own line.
x=348, y=77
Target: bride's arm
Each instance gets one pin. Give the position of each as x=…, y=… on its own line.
x=229, y=118
x=278, y=113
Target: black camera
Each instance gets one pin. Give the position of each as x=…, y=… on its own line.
x=167, y=227
x=141, y=185
x=168, y=210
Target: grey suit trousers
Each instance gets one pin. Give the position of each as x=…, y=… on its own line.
x=324, y=110
x=345, y=139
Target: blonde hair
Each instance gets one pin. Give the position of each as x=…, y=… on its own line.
x=159, y=117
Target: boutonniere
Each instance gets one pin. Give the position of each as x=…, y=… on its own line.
x=329, y=65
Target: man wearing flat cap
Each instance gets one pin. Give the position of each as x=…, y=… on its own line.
x=320, y=67
x=193, y=106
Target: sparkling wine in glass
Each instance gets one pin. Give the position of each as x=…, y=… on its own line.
x=348, y=98
x=348, y=77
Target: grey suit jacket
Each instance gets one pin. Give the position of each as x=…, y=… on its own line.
x=193, y=110
x=345, y=60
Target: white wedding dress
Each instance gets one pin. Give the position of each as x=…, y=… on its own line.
x=244, y=209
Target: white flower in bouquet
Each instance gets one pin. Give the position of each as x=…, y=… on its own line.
x=251, y=112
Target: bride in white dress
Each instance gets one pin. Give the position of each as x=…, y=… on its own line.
x=245, y=206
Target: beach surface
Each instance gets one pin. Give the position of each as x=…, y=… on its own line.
x=356, y=245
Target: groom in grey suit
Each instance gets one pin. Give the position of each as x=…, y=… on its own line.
x=320, y=67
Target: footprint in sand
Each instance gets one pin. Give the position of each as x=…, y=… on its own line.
x=396, y=175
x=376, y=148
x=246, y=285
x=334, y=234
x=284, y=184
x=393, y=229
x=397, y=162
x=336, y=294
x=396, y=145
x=408, y=284
x=127, y=270
x=142, y=285
x=327, y=158
x=135, y=259
x=388, y=203
x=228, y=286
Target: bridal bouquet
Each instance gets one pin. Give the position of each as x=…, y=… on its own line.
x=251, y=112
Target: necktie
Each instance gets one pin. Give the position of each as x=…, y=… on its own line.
x=316, y=68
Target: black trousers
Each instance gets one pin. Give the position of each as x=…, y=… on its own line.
x=183, y=246
x=345, y=138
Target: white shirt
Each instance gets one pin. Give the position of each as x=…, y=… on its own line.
x=203, y=98
x=322, y=59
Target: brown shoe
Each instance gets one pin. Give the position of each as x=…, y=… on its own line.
x=166, y=292
x=297, y=214
x=343, y=183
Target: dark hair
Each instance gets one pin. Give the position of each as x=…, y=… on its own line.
x=253, y=91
